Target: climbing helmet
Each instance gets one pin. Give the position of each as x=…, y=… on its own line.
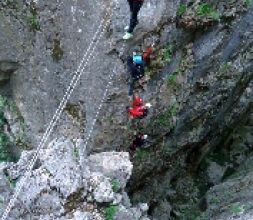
x=137, y=59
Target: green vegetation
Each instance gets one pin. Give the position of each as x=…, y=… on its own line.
x=225, y=67
x=181, y=9
x=2, y=106
x=5, y=154
x=3, y=102
x=248, y=2
x=115, y=185
x=110, y=212
x=33, y=20
x=11, y=182
x=167, y=53
x=76, y=152
x=185, y=64
x=162, y=58
x=206, y=10
x=215, y=200
x=172, y=79
x=191, y=213
x=224, y=71
x=237, y=209
x=164, y=118
x=141, y=154
x=202, y=216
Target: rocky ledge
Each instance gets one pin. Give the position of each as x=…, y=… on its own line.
x=59, y=188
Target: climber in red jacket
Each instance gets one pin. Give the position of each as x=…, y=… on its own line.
x=138, y=110
x=135, y=6
x=137, y=101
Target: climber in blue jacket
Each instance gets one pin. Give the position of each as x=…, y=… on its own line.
x=135, y=6
x=135, y=66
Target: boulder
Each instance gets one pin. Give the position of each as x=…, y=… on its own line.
x=115, y=165
x=101, y=188
x=58, y=187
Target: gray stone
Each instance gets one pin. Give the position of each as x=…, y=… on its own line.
x=78, y=215
x=101, y=188
x=15, y=170
x=57, y=186
x=208, y=43
x=143, y=207
x=112, y=164
x=5, y=186
x=215, y=172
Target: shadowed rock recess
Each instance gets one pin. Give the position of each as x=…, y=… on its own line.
x=198, y=165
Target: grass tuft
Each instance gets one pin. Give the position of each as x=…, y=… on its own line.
x=141, y=154
x=115, y=185
x=164, y=119
x=237, y=209
x=206, y=10
x=248, y=3
x=110, y=212
x=172, y=79
x=181, y=9
x=33, y=22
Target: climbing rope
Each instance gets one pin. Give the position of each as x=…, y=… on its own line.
x=97, y=114
x=54, y=120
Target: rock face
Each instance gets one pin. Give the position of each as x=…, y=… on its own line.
x=51, y=43
x=6, y=68
x=59, y=188
x=199, y=83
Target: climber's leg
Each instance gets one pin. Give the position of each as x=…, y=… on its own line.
x=130, y=70
x=131, y=86
x=130, y=2
x=134, y=16
x=135, y=7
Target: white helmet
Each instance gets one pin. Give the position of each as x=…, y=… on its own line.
x=148, y=105
x=145, y=136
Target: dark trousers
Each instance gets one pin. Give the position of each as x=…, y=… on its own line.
x=135, y=7
x=132, y=82
x=133, y=75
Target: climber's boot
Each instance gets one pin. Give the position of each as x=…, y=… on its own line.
x=127, y=36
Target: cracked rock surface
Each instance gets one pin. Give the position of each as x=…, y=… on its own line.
x=58, y=188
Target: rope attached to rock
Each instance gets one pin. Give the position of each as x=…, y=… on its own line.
x=83, y=64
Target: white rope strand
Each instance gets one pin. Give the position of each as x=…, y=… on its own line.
x=71, y=85
x=98, y=111
x=57, y=114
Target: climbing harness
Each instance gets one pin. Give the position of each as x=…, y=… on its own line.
x=54, y=120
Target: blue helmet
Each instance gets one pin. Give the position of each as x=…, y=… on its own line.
x=137, y=59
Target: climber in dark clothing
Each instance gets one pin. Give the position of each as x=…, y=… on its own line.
x=135, y=6
x=138, y=142
x=136, y=69
x=136, y=66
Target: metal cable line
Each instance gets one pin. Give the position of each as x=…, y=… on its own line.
x=83, y=64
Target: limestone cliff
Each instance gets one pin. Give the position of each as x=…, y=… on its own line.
x=199, y=83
